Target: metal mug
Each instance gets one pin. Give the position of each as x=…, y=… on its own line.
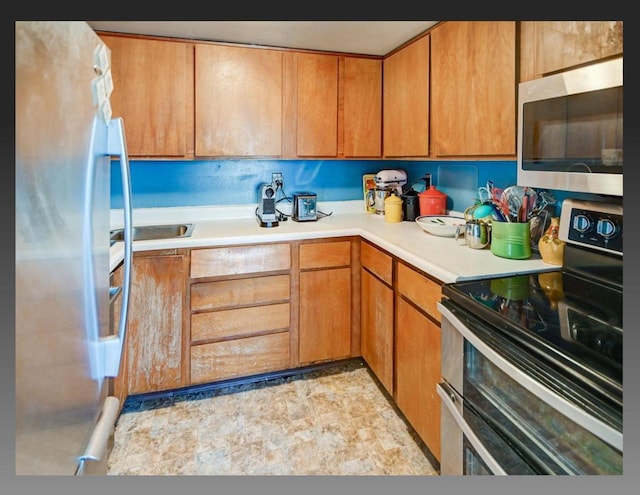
x=477, y=234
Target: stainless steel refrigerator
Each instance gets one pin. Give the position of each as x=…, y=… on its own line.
x=66, y=354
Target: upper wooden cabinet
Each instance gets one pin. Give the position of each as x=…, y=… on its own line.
x=551, y=46
x=473, y=88
x=238, y=101
x=406, y=101
x=153, y=93
x=362, y=107
x=316, y=79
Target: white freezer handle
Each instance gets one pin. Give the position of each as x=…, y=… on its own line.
x=113, y=344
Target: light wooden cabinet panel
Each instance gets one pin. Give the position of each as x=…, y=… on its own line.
x=473, y=88
x=239, y=357
x=153, y=93
x=376, y=327
x=325, y=254
x=118, y=385
x=551, y=46
x=362, y=107
x=317, y=105
x=418, y=372
x=236, y=260
x=422, y=291
x=325, y=315
x=377, y=262
x=239, y=322
x=238, y=94
x=240, y=292
x=154, y=334
x=406, y=101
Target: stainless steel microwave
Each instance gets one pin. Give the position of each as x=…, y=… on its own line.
x=570, y=130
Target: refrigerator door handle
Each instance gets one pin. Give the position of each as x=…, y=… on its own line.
x=97, y=445
x=113, y=344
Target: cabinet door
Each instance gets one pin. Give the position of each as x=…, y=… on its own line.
x=325, y=315
x=406, y=101
x=418, y=372
x=153, y=93
x=473, y=88
x=317, y=105
x=154, y=336
x=238, y=107
x=551, y=46
x=376, y=327
x=362, y=107
x=118, y=383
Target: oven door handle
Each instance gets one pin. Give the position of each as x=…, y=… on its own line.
x=449, y=399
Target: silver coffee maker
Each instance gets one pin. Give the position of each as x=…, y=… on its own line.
x=387, y=181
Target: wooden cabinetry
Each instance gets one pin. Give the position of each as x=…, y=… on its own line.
x=153, y=93
x=118, y=384
x=238, y=101
x=316, y=77
x=406, y=101
x=473, y=88
x=376, y=315
x=551, y=46
x=325, y=301
x=362, y=107
x=417, y=341
x=154, y=342
x=240, y=302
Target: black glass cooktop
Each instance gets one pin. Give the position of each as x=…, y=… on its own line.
x=573, y=321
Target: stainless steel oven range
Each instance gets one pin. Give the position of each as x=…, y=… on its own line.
x=532, y=364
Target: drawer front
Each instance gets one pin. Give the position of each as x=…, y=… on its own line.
x=377, y=262
x=325, y=254
x=237, y=260
x=240, y=292
x=423, y=292
x=243, y=321
x=240, y=357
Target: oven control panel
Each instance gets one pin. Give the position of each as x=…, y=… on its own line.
x=592, y=224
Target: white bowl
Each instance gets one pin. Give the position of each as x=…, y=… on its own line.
x=440, y=225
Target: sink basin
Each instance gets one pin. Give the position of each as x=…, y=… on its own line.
x=152, y=232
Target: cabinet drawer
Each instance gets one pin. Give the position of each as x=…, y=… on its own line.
x=237, y=260
x=240, y=357
x=240, y=292
x=243, y=321
x=423, y=292
x=325, y=254
x=377, y=262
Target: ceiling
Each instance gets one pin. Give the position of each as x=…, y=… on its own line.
x=356, y=37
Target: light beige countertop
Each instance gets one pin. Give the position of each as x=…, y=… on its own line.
x=444, y=258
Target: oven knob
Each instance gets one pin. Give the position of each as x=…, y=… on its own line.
x=607, y=228
x=581, y=222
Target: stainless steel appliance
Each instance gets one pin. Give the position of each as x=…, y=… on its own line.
x=386, y=182
x=532, y=364
x=65, y=355
x=266, y=213
x=570, y=130
x=305, y=207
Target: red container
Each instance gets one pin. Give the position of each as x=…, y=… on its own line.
x=433, y=202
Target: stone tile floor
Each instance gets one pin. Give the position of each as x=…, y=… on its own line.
x=333, y=421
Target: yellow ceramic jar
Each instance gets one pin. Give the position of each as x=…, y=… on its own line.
x=393, y=209
x=550, y=246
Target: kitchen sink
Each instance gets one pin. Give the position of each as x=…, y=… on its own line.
x=153, y=232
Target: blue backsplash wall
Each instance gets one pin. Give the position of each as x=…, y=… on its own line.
x=236, y=182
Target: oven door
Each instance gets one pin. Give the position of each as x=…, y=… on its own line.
x=503, y=409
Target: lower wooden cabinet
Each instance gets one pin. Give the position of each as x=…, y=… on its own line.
x=154, y=334
x=325, y=301
x=240, y=302
x=418, y=372
x=118, y=384
x=376, y=313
